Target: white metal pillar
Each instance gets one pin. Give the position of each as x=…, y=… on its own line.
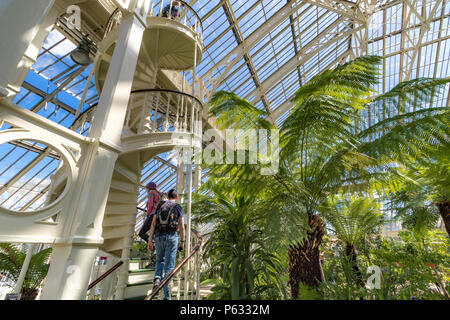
x=20, y=21
x=111, y=111
x=18, y=75
x=24, y=270
x=72, y=262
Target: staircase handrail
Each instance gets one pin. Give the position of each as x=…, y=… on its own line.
x=105, y=275
x=195, y=12
x=109, y=25
x=117, y=15
x=88, y=110
x=168, y=91
x=92, y=108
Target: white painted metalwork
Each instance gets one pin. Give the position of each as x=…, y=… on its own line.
x=161, y=110
x=263, y=51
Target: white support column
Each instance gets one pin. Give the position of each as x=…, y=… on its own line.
x=188, y=230
x=20, y=21
x=69, y=272
x=24, y=270
x=111, y=111
x=181, y=174
x=18, y=76
x=72, y=261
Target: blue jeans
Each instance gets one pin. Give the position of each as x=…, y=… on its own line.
x=166, y=246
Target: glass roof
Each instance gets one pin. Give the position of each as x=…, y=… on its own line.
x=263, y=50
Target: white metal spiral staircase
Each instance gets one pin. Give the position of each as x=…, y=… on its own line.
x=157, y=120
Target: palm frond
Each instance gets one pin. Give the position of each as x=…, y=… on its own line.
x=233, y=112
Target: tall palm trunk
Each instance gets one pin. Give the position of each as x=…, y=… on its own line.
x=444, y=209
x=350, y=253
x=304, y=258
x=29, y=295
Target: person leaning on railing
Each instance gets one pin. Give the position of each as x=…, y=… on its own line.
x=174, y=11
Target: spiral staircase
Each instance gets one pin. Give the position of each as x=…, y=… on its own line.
x=158, y=120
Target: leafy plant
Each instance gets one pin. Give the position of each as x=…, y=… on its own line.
x=353, y=219
x=240, y=261
x=410, y=269
x=11, y=260
x=324, y=152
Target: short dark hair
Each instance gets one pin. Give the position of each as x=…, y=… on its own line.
x=173, y=194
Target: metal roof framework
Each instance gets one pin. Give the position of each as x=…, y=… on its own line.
x=262, y=50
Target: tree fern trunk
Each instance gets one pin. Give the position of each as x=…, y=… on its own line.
x=350, y=253
x=304, y=258
x=29, y=295
x=444, y=209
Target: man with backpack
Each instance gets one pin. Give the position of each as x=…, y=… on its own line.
x=167, y=220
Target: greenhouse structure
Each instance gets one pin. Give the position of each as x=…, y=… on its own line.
x=224, y=150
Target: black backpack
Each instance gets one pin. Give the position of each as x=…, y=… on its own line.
x=165, y=216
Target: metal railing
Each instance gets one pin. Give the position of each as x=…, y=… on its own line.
x=82, y=123
x=105, y=275
x=154, y=110
x=179, y=11
x=186, y=14
x=163, y=110
x=114, y=20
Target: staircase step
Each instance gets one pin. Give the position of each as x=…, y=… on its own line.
x=137, y=298
x=123, y=186
x=138, y=264
x=115, y=208
x=121, y=197
x=126, y=173
x=111, y=245
x=174, y=295
x=118, y=220
x=141, y=276
x=142, y=270
x=116, y=232
x=138, y=290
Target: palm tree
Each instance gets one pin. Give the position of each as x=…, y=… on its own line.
x=242, y=265
x=352, y=219
x=435, y=173
x=427, y=155
x=323, y=152
x=11, y=261
x=413, y=209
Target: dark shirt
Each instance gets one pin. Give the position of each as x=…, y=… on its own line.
x=166, y=9
x=178, y=212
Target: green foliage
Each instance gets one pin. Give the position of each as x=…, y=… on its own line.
x=420, y=220
x=11, y=261
x=141, y=248
x=353, y=218
x=306, y=293
x=410, y=269
x=340, y=282
x=240, y=261
x=324, y=153
x=232, y=112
